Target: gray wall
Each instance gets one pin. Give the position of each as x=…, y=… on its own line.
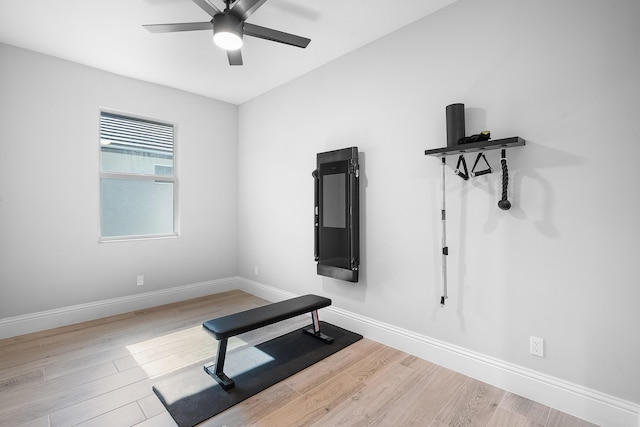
x=562, y=264
x=49, y=187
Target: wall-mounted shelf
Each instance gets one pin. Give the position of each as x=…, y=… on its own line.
x=492, y=144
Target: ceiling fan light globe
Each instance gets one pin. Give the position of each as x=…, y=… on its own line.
x=227, y=40
x=227, y=31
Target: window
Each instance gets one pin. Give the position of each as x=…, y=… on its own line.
x=138, y=187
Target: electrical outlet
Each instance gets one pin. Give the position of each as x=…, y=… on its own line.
x=256, y=270
x=140, y=280
x=536, y=346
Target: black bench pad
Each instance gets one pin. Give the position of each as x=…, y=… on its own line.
x=245, y=321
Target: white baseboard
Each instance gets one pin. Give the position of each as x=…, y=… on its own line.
x=35, y=322
x=582, y=402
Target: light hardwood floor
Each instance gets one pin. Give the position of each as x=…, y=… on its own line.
x=100, y=373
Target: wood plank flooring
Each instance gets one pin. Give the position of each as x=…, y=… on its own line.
x=100, y=373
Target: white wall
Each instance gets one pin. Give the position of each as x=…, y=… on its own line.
x=49, y=187
x=562, y=264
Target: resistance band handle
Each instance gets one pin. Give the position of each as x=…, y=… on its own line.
x=483, y=172
x=461, y=175
x=479, y=173
x=464, y=175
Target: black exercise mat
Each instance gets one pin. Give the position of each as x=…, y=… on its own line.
x=192, y=396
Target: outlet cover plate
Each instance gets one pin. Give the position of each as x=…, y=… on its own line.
x=536, y=346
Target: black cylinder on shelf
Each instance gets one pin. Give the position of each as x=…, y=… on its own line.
x=455, y=124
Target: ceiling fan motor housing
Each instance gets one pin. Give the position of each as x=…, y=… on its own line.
x=225, y=23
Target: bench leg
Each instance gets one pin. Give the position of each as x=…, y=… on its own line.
x=314, y=329
x=218, y=374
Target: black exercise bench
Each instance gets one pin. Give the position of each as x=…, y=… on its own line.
x=225, y=327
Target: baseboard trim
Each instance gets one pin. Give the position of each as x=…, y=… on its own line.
x=574, y=399
x=49, y=319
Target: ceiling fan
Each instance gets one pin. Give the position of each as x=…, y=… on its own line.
x=229, y=26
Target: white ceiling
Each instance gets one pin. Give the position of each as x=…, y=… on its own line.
x=108, y=35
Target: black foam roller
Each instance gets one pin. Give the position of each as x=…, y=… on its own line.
x=455, y=124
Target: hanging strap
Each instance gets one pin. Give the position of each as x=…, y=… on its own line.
x=482, y=172
x=464, y=174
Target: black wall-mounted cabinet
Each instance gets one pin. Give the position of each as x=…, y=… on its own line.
x=336, y=214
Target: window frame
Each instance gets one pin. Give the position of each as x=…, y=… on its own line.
x=141, y=177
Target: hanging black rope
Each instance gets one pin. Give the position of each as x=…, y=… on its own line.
x=504, y=204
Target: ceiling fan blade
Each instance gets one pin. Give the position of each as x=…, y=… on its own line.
x=208, y=7
x=244, y=8
x=275, y=35
x=235, y=57
x=172, y=28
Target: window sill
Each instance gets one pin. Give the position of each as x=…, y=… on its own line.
x=137, y=238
